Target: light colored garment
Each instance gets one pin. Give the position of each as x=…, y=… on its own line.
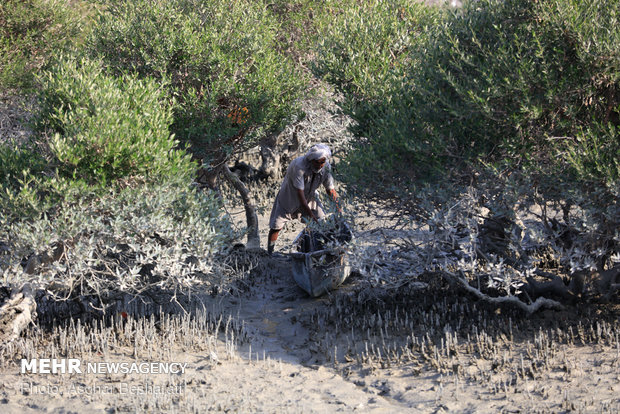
x=279, y=217
x=299, y=175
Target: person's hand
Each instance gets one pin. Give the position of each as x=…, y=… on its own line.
x=335, y=199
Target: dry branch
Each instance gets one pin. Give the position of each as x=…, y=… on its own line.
x=513, y=300
x=16, y=314
x=555, y=286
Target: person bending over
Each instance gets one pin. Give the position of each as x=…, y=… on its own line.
x=297, y=196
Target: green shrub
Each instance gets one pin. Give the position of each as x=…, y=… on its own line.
x=366, y=51
x=594, y=153
x=21, y=169
x=506, y=78
x=230, y=82
x=104, y=128
x=14, y=160
x=33, y=30
x=364, y=48
x=512, y=83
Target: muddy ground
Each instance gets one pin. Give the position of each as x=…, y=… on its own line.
x=422, y=346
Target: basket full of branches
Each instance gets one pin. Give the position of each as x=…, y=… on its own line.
x=320, y=262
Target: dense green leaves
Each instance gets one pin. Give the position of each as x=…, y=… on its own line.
x=21, y=169
x=517, y=82
x=104, y=128
x=16, y=159
x=33, y=30
x=230, y=82
x=366, y=51
x=514, y=76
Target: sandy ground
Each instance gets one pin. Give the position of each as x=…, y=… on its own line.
x=268, y=372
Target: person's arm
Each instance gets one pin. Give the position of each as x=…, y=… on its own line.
x=328, y=183
x=304, y=205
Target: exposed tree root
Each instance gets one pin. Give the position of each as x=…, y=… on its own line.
x=539, y=303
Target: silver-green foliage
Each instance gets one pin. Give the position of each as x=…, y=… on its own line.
x=503, y=237
x=161, y=234
x=506, y=242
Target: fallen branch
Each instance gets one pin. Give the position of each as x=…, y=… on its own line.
x=513, y=300
x=16, y=314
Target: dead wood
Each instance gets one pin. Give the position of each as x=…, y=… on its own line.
x=153, y=301
x=539, y=303
x=207, y=178
x=16, y=314
x=606, y=284
x=554, y=287
x=37, y=260
x=494, y=234
x=270, y=160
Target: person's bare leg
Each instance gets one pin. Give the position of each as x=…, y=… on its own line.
x=271, y=240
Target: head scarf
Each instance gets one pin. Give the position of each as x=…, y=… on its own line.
x=319, y=151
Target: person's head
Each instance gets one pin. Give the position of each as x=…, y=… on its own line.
x=318, y=156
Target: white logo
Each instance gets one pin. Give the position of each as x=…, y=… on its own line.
x=73, y=366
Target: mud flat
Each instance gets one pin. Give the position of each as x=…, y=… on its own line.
x=418, y=346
